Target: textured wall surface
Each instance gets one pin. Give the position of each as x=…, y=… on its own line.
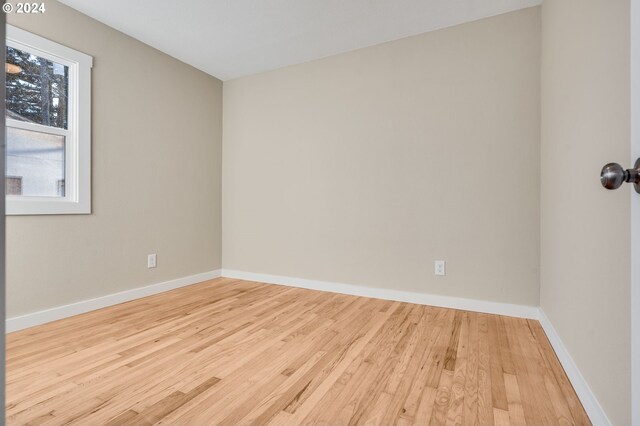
x=365, y=167
x=585, y=240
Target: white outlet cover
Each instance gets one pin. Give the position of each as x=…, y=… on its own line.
x=439, y=268
x=151, y=261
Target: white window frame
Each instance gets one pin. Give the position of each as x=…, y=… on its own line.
x=77, y=199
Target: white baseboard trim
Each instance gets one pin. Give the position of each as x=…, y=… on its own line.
x=589, y=401
x=521, y=311
x=60, y=312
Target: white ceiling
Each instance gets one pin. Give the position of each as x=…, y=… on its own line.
x=233, y=38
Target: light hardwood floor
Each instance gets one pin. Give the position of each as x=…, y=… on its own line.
x=236, y=352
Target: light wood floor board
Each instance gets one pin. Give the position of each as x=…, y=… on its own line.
x=234, y=352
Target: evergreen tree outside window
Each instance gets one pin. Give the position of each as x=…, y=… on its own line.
x=48, y=116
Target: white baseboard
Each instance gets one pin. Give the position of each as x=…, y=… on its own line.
x=591, y=405
x=59, y=312
x=521, y=311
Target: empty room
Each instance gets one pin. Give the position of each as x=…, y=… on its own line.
x=331, y=212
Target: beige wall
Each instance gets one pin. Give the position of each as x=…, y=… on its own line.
x=585, y=229
x=365, y=167
x=156, y=176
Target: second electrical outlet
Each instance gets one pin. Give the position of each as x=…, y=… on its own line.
x=439, y=268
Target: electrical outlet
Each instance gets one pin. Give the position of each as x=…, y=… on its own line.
x=439, y=268
x=151, y=261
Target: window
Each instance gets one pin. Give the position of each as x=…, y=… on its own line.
x=48, y=104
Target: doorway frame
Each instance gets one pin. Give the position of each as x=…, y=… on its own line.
x=635, y=211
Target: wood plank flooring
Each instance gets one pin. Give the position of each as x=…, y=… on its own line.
x=238, y=353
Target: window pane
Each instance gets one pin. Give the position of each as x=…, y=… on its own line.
x=37, y=89
x=36, y=161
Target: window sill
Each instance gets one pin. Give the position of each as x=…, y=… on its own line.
x=45, y=206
